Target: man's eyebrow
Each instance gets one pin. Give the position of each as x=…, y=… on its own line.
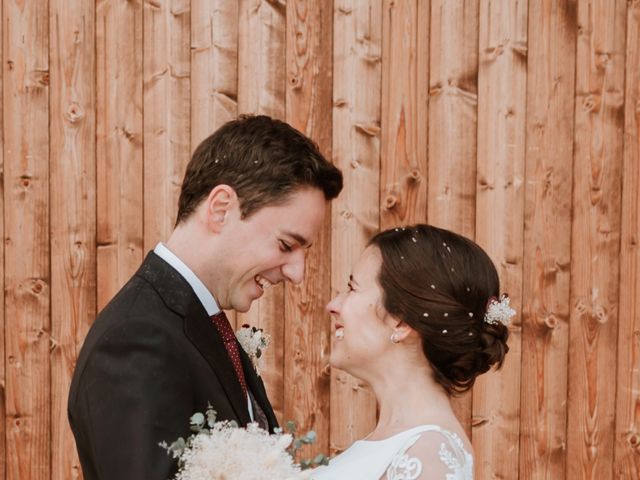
x=303, y=242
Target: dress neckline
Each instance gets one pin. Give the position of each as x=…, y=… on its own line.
x=427, y=426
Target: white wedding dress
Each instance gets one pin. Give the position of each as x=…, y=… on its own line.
x=372, y=460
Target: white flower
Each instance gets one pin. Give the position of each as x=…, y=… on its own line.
x=254, y=342
x=499, y=311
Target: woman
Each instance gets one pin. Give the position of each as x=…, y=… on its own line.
x=421, y=319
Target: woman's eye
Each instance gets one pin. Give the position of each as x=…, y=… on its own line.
x=284, y=246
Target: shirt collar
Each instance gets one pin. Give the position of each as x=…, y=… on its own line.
x=202, y=292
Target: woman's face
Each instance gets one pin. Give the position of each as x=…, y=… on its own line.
x=362, y=326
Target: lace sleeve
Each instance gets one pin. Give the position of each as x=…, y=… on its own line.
x=436, y=455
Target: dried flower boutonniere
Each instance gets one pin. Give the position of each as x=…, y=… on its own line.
x=254, y=342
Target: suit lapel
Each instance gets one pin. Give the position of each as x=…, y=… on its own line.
x=255, y=384
x=202, y=333
x=179, y=297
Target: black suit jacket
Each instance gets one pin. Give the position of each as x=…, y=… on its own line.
x=151, y=359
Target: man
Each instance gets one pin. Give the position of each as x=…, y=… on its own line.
x=253, y=199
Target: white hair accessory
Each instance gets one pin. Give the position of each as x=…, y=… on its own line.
x=499, y=311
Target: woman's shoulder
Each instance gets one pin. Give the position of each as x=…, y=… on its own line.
x=433, y=452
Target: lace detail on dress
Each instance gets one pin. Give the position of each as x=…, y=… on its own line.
x=403, y=467
x=456, y=458
x=459, y=462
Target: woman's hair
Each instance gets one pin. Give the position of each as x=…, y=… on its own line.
x=440, y=284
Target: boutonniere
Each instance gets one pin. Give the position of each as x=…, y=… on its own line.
x=254, y=342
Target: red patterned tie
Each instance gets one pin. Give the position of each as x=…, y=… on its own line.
x=223, y=326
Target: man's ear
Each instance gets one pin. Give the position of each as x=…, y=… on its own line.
x=219, y=203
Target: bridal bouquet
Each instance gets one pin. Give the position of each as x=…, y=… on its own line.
x=224, y=451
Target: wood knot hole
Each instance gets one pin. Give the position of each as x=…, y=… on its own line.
x=390, y=202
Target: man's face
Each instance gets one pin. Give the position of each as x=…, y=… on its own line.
x=268, y=247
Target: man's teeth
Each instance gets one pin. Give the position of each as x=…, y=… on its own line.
x=339, y=333
x=263, y=282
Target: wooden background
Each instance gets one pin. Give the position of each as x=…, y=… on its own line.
x=514, y=122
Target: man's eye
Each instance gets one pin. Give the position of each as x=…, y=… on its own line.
x=284, y=246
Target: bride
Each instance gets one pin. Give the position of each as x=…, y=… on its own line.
x=421, y=319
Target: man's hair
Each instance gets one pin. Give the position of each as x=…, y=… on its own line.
x=263, y=159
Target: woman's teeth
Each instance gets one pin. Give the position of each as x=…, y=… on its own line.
x=339, y=334
x=262, y=282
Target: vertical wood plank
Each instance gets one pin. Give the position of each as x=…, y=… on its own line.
x=405, y=79
x=3, y=381
x=261, y=57
x=27, y=282
x=73, y=210
x=453, y=121
x=595, y=249
x=307, y=328
x=214, y=66
x=627, y=446
x=357, y=50
x=261, y=89
x=118, y=144
x=167, y=59
x=547, y=252
x=502, y=78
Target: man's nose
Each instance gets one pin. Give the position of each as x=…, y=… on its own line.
x=293, y=270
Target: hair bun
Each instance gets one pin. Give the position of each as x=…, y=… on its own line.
x=494, y=342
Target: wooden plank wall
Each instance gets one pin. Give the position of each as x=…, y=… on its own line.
x=515, y=123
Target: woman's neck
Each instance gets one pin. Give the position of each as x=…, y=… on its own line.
x=406, y=401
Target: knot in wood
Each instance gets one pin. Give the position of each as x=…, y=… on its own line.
x=74, y=112
x=590, y=103
x=414, y=175
x=294, y=81
x=390, y=202
x=551, y=322
x=634, y=440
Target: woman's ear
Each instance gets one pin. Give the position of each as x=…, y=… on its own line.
x=219, y=203
x=401, y=330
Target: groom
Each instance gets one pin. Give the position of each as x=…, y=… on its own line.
x=252, y=200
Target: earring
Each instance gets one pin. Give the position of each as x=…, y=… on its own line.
x=394, y=338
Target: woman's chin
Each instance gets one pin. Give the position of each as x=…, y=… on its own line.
x=335, y=361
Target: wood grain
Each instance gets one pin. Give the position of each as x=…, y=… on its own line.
x=595, y=250
x=261, y=89
x=307, y=327
x=627, y=447
x=3, y=381
x=119, y=139
x=357, y=51
x=214, y=66
x=27, y=256
x=73, y=210
x=502, y=81
x=167, y=112
x=405, y=81
x=453, y=124
x=547, y=252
